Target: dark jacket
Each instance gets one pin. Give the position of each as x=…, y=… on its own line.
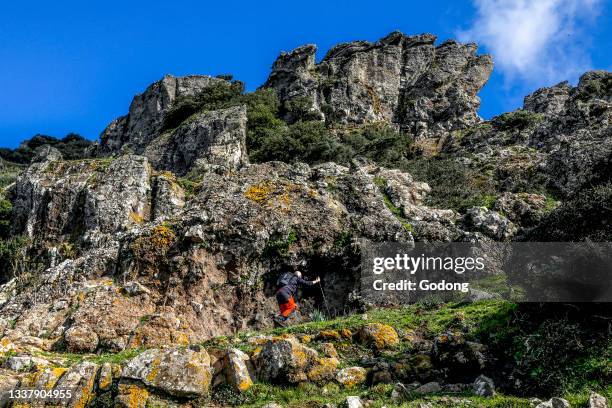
x=283, y=294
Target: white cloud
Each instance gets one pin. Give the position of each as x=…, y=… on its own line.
x=538, y=40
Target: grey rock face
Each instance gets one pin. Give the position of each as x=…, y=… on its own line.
x=216, y=138
x=57, y=200
x=597, y=401
x=562, y=139
x=142, y=124
x=424, y=89
x=549, y=101
x=46, y=153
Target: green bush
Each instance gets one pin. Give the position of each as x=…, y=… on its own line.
x=221, y=94
x=453, y=185
x=11, y=254
x=72, y=147
x=6, y=209
x=586, y=216
x=519, y=119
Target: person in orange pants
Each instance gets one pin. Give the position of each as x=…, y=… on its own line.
x=288, y=284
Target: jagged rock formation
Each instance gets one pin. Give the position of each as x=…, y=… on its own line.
x=143, y=123
x=561, y=139
x=425, y=90
x=214, y=139
x=171, y=237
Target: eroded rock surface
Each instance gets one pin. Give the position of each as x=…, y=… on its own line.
x=426, y=90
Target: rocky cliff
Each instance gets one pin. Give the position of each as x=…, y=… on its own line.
x=168, y=234
x=424, y=89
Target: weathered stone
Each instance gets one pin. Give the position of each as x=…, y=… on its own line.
x=329, y=350
x=424, y=89
x=80, y=379
x=109, y=372
x=168, y=197
x=597, y=401
x=351, y=376
x=26, y=363
x=131, y=396
x=554, y=403
x=183, y=373
x=285, y=360
x=379, y=336
x=144, y=121
x=46, y=153
x=352, y=402
x=81, y=339
x=483, y=386
x=237, y=370
x=215, y=138
x=490, y=223
x=82, y=199
x=428, y=388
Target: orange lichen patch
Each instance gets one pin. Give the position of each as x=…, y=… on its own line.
x=180, y=338
x=259, y=192
x=351, y=377
x=329, y=350
x=306, y=339
x=332, y=335
x=162, y=237
x=154, y=370
x=136, y=218
x=84, y=394
x=324, y=370
x=133, y=396
x=256, y=352
x=245, y=384
x=346, y=333
x=378, y=335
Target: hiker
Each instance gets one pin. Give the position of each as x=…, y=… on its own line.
x=288, y=284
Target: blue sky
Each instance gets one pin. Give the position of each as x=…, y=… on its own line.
x=73, y=66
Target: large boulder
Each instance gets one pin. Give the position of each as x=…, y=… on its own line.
x=378, y=336
x=286, y=360
x=425, y=89
x=182, y=373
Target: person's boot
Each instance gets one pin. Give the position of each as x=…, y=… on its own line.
x=279, y=321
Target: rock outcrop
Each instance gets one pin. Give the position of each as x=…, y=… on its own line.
x=216, y=139
x=424, y=89
x=135, y=131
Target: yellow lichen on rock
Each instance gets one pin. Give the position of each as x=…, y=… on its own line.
x=131, y=396
x=351, y=376
x=332, y=335
x=379, y=336
x=259, y=192
x=324, y=370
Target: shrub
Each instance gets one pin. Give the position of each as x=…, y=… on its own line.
x=453, y=185
x=586, y=216
x=6, y=209
x=72, y=147
x=219, y=95
x=12, y=256
x=519, y=119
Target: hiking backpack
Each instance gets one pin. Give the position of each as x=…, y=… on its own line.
x=284, y=279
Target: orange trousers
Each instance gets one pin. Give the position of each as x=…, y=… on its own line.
x=287, y=308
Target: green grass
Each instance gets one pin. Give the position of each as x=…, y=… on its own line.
x=476, y=317
x=379, y=395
